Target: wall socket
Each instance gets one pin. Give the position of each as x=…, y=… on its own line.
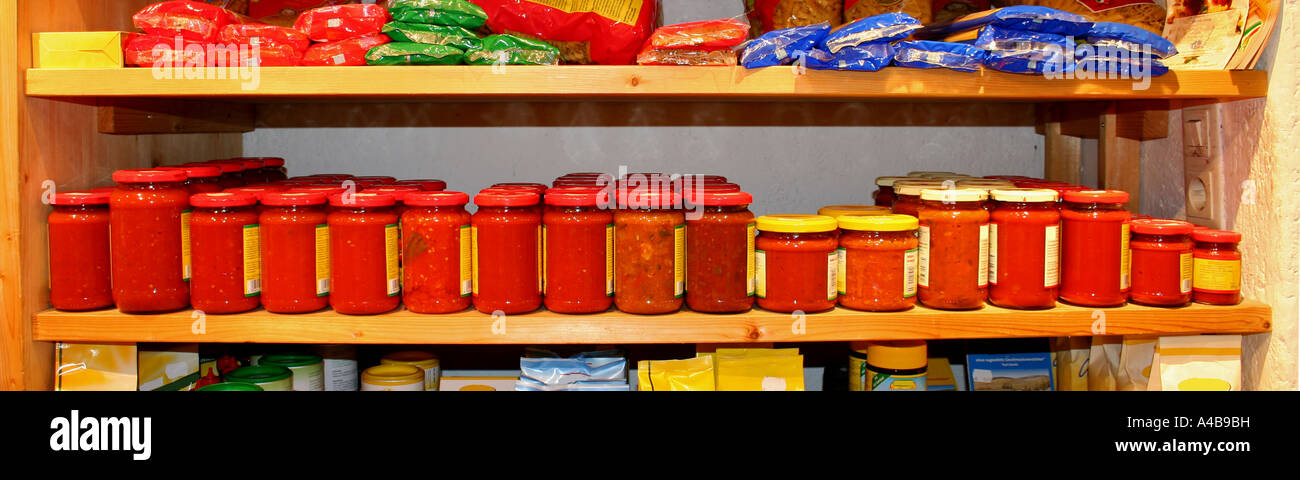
x=1206, y=188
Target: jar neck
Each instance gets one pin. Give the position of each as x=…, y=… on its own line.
x=80, y=208
x=1028, y=205
x=354, y=209
x=726, y=208
x=874, y=234
x=1152, y=237
x=510, y=209
x=439, y=208
x=952, y=205
x=1095, y=206
x=151, y=185
x=1231, y=246
x=801, y=235
x=297, y=208
x=574, y=208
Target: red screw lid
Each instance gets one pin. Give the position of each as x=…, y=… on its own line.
x=376, y=179
x=576, y=196
x=250, y=163
x=397, y=191
x=149, y=175
x=223, y=199
x=495, y=197
x=197, y=171
x=80, y=198
x=712, y=187
x=258, y=190
x=1094, y=196
x=228, y=166
x=426, y=184
x=638, y=198
x=1211, y=235
x=721, y=199
x=322, y=189
x=363, y=200
x=1160, y=226
x=436, y=199
x=292, y=199
x=273, y=162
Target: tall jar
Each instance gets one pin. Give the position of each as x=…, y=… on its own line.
x=225, y=240
x=507, y=230
x=80, y=269
x=877, y=262
x=953, y=258
x=1095, y=256
x=796, y=263
x=907, y=195
x=1024, y=249
x=232, y=173
x=295, y=252
x=720, y=254
x=364, y=278
x=201, y=178
x=1162, y=262
x=884, y=195
x=149, y=216
x=1216, y=267
x=649, y=252
x=273, y=169
x=437, y=274
x=578, y=239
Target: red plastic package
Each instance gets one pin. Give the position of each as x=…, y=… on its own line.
x=284, y=12
x=350, y=52
x=177, y=52
x=341, y=22
x=265, y=35
x=609, y=32
x=687, y=56
x=282, y=55
x=705, y=35
x=193, y=20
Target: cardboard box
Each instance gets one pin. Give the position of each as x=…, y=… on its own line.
x=78, y=49
x=86, y=367
x=1010, y=371
x=939, y=375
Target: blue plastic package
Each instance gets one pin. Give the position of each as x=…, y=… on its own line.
x=930, y=54
x=1018, y=51
x=886, y=27
x=777, y=47
x=1116, y=63
x=1020, y=17
x=1128, y=37
x=868, y=57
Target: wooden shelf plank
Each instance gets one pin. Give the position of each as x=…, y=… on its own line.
x=480, y=83
x=402, y=327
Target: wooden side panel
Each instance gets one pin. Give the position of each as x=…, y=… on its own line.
x=1063, y=154
x=1119, y=159
x=14, y=343
x=142, y=116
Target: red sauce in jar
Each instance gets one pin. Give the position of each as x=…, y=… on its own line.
x=80, y=269
x=953, y=260
x=907, y=195
x=200, y=178
x=1162, y=262
x=225, y=238
x=578, y=237
x=295, y=252
x=1024, y=249
x=1216, y=267
x=877, y=262
x=428, y=185
x=796, y=263
x=507, y=230
x=232, y=172
x=364, y=277
x=649, y=252
x=437, y=274
x=149, y=240
x=1095, y=248
x=884, y=195
x=720, y=253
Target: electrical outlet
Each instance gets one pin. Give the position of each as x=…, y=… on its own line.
x=1203, y=167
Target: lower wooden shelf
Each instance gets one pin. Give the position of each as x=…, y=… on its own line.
x=470, y=327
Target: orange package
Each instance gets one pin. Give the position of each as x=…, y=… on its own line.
x=350, y=52
x=150, y=50
x=706, y=35
x=194, y=21
x=341, y=22
x=687, y=56
x=768, y=15
x=265, y=35
x=608, y=32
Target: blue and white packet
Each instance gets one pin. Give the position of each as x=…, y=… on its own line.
x=777, y=47
x=886, y=27
x=1116, y=63
x=1018, y=51
x=1128, y=37
x=530, y=385
x=868, y=57
x=931, y=54
x=1020, y=17
x=587, y=367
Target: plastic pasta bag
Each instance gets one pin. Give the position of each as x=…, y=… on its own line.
x=769, y=15
x=407, y=53
x=692, y=374
x=271, y=56
x=608, y=32
x=512, y=50
x=687, y=56
x=194, y=21
x=350, y=52
x=750, y=370
x=530, y=385
x=457, y=37
x=1112, y=62
x=918, y=9
x=931, y=54
x=706, y=35
x=777, y=47
x=1131, y=38
x=341, y=22
x=1026, y=18
x=868, y=57
x=1148, y=15
x=264, y=35
x=886, y=27
x=454, y=13
x=586, y=367
x=1019, y=51
x=1197, y=363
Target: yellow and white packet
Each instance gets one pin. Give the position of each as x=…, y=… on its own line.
x=692, y=374
x=1197, y=362
x=759, y=369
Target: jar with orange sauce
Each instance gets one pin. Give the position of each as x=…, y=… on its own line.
x=953, y=258
x=877, y=262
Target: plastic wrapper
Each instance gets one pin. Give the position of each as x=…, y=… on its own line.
x=770, y=15
x=551, y=369
x=886, y=27
x=341, y=22
x=705, y=35
x=759, y=369
x=868, y=57
x=1027, y=18
x=433, y=34
x=609, y=32
x=271, y=56
x=931, y=54
x=455, y=13
x=687, y=56
x=512, y=50
x=776, y=47
x=530, y=385
x=284, y=12
x=918, y=9
x=1128, y=37
x=1148, y=15
x=407, y=53
x=1113, y=62
x=194, y=21
x=1018, y=51
x=689, y=375
x=264, y=35
x=350, y=52
x=150, y=50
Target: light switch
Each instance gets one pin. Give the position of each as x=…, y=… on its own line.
x=1203, y=166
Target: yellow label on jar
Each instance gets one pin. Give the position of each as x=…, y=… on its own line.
x=1216, y=276
x=909, y=273
x=679, y=260
x=252, y=261
x=841, y=270
x=187, y=265
x=546, y=269
x=749, y=259
x=1185, y=272
x=1052, y=256
x=609, y=260
x=474, y=260
x=541, y=258
x=466, y=261
x=923, y=257
x=983, y=279
x=390, y=257
x=993, y=254
x=322, y=260
x=760, y=273
x=1125, y=258
x=832, y=268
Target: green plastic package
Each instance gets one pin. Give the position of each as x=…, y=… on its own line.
x=512, y=50
x=455, y=13
x=457, y=37
x=407, y=53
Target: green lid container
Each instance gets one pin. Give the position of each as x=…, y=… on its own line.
x=308, y=369
x=269, y=377
x=230, y=387
x=290, y=360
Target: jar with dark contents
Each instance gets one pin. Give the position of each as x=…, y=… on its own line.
x=1216, y=267
x=649, y=252
x=720, y=254
x=796, y=263
x=437, y=276
x=953, y=258
x=225, y=241
x=232, y=173
x=201, y=178
x=80, y=268
x=884, y=195
x=149, y=217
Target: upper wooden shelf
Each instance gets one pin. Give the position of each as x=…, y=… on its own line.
x=403, y=327
x=471, y=83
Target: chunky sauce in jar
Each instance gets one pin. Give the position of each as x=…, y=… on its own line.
x=225, y=239
x=953, y=260
x=1162, y=262
x=649, y=252
x=877, y=262
x=884, y=195
x=507, y=264
x=720, y=254
x=149, y=240
x=578, y=239
x=232, y=172
x=80, y=276
x=907, y=195
x=1216, y=267
x=437, y=274
x=796, y=263
x=1024, y=249
x=200, y=178
x=364, y=278
x=295, y=252
x=1095, y=248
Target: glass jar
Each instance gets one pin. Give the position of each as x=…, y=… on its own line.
x=149, y=237
x=201, y=178
x=884, y=194
x=649, y=252
x=253, y=170
x=232, y=173
x=437, y=274
x=1162, y=262
x=907, y=195
x=1216, y=267
x=364, y=277
x=225, y=239
x=428, y=185
x=953, y=258
x=837, y=211
x=578, y=239
x=796, y=263
x=295, y=252
x=1024, y=249
x=720, y=254
x=80, y=269
x=877, y=262
x=1095, y=248
x=507, y=230
x=273, y=169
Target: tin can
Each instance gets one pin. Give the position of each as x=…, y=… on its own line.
x=340, y=367
x=426, y=361
x=308, y=369
x=392, y=378
x=230, y=387
x=270, y=378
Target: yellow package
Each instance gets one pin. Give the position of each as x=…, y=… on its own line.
x=938, y=375
x=1135, y=357
x=759, y=369
x=1071, y=363
x=93, y=367
x=78, y=49
x=1197, y=362
x=1103, y=360
x=692, y=374
x=169, y=368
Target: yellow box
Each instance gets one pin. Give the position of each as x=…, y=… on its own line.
x=78, y=49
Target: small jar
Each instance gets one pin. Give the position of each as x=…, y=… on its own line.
x=877, y=262
x=837, y=211
x=1216, y=267
x=1024, y=249
x=376, y=179
x=796, y=263
x=578, y=244
x=253, y=170
x=364, y=276
x=437, y=273
x=225, y=239
x=201, y=178
x=428, y=185
x=953, y=258
x=1095, y=248
x=308, y=369
x=80, y=268
x=907, y=195
x=232, y=173
x=295, y=252
x=898, y=366
x=720, y=254
x=507, y=231
x=392, y=378
x=649, y=252
x=1162, y=262
x=884, y=195
x=273, y=169
x=425, y=361
x=269, y=377
x=149, y=237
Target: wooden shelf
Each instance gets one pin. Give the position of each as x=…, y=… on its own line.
x=402, y=327
x=475, y=83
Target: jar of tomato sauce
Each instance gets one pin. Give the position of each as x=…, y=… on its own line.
x=437, y=276
x=273, y=169
x=1162, y=262
x=877, y=262
x=1095, y=248
x=200, y=178
x=884, y=194
x=649, y=252
x=907, y=195
x=80, y=270
x=232, y=173
x=149, y=217
x=578, y=243
x=428, y=185
x=364, y=276
x=1024, y=248
x=796, y=263
x=1216, y=267
x=506, y=232
x=295, y=252
x=720, y=254
x=837, y=211
x=953, y=258
x=225, y=238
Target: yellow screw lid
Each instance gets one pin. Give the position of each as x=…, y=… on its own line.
x=1027, y=195
x=889, y=181
x=955, y=195
x=956, y=177
x=914, y=187
x=837, y=210
x=796, y=223
x=924, y=173
x=897, y=355
x=410, y=357
x=878, y=223
x=393, y=375
x=984, y=182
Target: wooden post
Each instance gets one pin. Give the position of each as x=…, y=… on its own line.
x=1063, y=154
x=1119, y=158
